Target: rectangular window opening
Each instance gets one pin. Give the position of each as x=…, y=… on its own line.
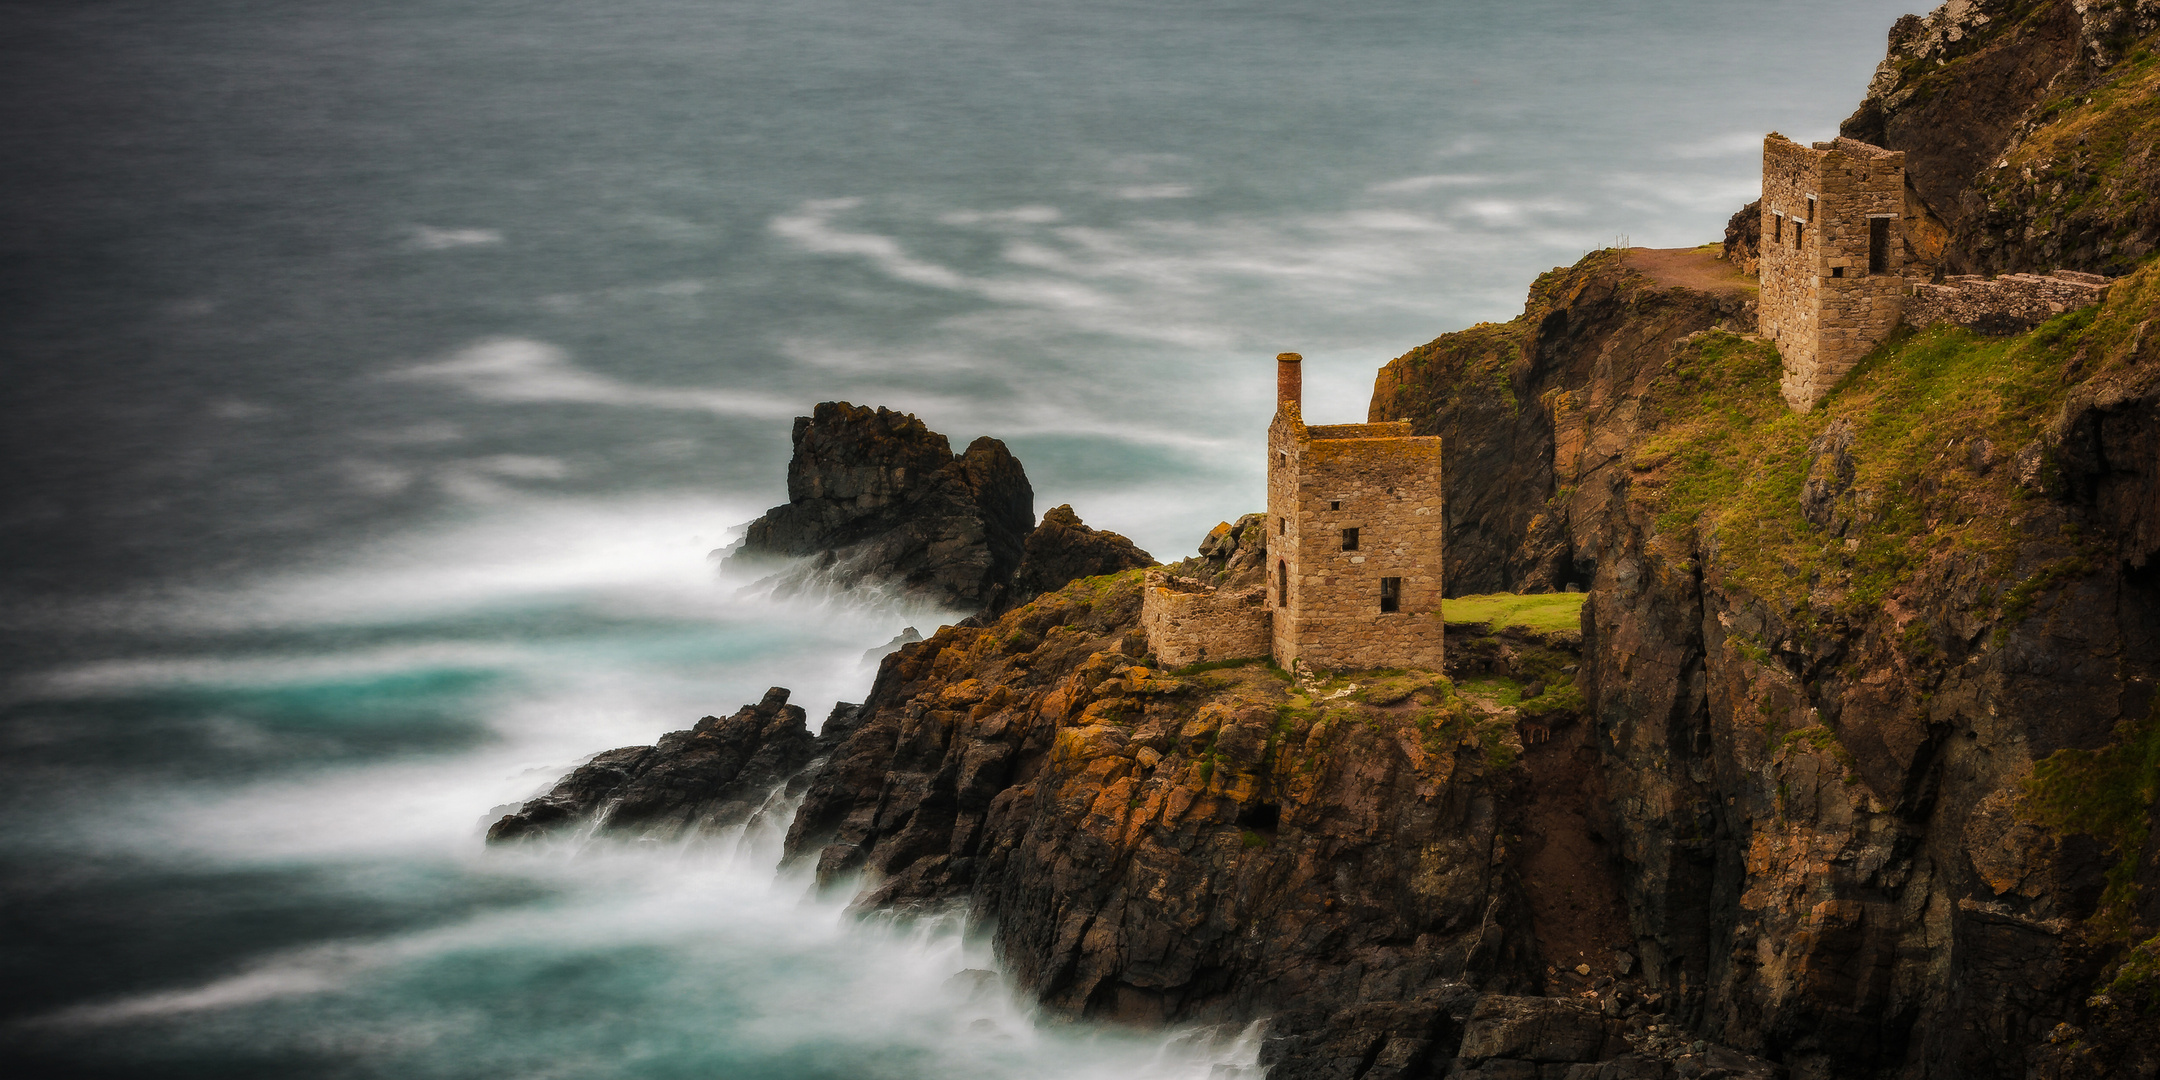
x=1777, y=228
x=1811, y=208
x=1799, y=234
x=1837, y=271
x=1390, y=594
x=1335, y=505
x=1349, y=539
x=1282, y=526
x=1878, y=245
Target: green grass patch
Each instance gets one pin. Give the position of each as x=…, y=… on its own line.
x=1543, y=612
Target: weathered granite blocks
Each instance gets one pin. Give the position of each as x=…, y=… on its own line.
x=1190, y=622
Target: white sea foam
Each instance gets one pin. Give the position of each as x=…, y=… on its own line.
x=431, y=238
x=699, y=918
x=514, y=369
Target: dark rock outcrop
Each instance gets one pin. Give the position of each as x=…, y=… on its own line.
x=1062, y=549
x=877, y=499
x=1743, y=237
x=713, y=776
x=2027, y=130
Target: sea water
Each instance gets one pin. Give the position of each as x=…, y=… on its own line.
x=380, y=376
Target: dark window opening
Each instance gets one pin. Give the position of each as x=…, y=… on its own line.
x=1336, y=505
x=1777, y=228
x=1837, y=271
x=1390, y=594
x=1282, y=526
x=1878, y=245
x=1811, y=208
x=1799, y=235
x=1282, y=583
x=1349, y=539
x=1260, y=817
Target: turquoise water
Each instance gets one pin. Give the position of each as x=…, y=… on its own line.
x=380, y=375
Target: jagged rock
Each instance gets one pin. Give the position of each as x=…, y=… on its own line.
x=1830, y=473
x=877, y=498
x=1062, y=549
x=715, y=775
x=1743, y=237
x=908, y=636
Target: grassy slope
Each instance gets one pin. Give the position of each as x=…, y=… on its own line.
x=1938, y=420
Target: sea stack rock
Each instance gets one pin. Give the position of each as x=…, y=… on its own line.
x=876, y=498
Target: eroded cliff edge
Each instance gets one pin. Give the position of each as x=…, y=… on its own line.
x=1846, y=666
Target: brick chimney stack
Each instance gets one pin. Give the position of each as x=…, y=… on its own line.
x=1289, y=380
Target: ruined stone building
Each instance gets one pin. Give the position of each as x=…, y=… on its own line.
x=1354, y=539
x=1831, y=264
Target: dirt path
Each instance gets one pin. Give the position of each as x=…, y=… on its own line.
x=1690, y=268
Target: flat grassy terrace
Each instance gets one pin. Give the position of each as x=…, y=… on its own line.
x=1545, y=612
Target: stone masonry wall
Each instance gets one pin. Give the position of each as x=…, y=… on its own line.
x=1821, y=302
x=1384, y=483
x=1188, y=622
x=2010, y=304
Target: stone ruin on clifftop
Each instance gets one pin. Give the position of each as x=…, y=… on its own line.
x=1833, y=267
x=1355, y=535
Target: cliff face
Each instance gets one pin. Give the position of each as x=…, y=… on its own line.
x=2030, y=129
x=1843, y=663
x=1530, y=406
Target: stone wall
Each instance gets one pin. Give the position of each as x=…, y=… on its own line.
x=1189, y=622
x=1825, y=301
x=2010, y=304
x=1384, y=483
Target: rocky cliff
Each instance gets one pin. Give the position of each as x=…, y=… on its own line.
x=2031, y=130
x=1346, y=856
x=1843, y=664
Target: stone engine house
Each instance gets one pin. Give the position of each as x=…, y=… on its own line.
x=1354, y=539
x=1355, y=533
x=1831, y=265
